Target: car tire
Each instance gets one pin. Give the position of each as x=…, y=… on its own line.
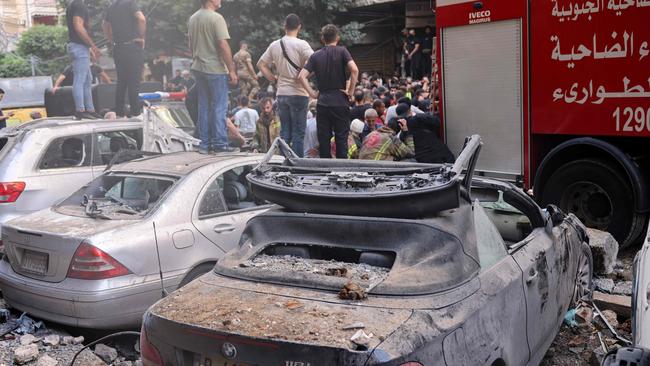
x=600, y=195
x=196, y=272
x=584, y=286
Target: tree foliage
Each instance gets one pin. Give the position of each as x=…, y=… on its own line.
x=46, y=43
x=257, y=21
x=12, y=66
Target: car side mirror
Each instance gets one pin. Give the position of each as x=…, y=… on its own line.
x=556, y=215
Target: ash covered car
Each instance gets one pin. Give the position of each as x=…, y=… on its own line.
x=96, y=259
x=380, y=263
x=44, y=161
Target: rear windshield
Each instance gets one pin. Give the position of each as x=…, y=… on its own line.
x=117, y=196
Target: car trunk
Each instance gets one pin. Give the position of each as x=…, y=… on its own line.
x=41, y=245
x=198, y=320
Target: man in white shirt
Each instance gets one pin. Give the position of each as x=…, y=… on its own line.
x=246, y=118
x=289, y=55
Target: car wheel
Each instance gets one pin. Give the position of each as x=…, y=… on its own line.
x=599, y=195
x=197, y=272
x=583, y=289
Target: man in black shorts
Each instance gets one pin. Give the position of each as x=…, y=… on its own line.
x=330, y=64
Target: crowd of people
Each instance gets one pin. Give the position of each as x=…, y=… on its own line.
x=322, y=106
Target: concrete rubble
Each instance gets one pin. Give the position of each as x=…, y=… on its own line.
x=46, y=346
x=604, y=250
x=589, y=336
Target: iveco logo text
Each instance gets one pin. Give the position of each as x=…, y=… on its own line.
x=479, y=17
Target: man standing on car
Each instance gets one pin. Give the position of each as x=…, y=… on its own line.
x=81, y=50
x=213, y=67
x=329, y=65
x=125, y=26
x=289, y=54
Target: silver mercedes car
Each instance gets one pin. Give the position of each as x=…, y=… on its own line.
x=44, y=161
x=144, y=228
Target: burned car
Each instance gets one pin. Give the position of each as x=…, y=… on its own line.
x=353, y=271
x=44, y=161
x=101, y=257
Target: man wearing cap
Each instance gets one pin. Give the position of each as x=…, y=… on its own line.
x=384, y=144
x=354, y=139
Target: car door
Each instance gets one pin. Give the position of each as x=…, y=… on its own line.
x=544, y=259
x=641, y=298
x=221, y=212
x=63, y=166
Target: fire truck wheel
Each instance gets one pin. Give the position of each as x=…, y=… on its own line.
x=599, y=195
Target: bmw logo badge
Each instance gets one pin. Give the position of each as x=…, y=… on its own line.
x=228, y=351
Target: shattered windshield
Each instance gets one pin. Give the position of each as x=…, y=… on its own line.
x=117, y=196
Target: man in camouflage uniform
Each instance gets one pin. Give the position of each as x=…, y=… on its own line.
x=248, y=84
x=383, y=144
x=268, y=127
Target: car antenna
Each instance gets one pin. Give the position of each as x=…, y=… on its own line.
x=163, y=293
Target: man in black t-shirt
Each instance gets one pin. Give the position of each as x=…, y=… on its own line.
x=81, y=50
x=125, y=26
x=67, y=77
x=414, y=48
x=330, y=64
x=427, y=51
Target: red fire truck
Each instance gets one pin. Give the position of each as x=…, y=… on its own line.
x=560, y=92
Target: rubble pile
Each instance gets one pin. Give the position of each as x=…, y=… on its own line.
x=26, y=342
x=591, y=329
x=287, y=264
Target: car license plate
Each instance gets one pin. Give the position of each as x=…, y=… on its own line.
x=219, y=361
x=34, y=262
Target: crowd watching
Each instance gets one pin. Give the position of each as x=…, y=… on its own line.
x=317, y=101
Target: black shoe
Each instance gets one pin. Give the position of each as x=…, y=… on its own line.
x=84, y=115
x=96, y=115
x=226, y=149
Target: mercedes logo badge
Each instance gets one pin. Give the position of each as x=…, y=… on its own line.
x=228, y=350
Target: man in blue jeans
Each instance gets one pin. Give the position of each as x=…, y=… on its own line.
x=289, y=54
x=213, y=68
x=81, y=49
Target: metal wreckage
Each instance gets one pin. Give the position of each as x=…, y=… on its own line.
x=377, y=263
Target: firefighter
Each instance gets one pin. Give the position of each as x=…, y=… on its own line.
x=384, y=144
x=354, y=139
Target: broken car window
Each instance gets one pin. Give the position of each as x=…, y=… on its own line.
x=108, y=144
x=111, y=195
x=67, y=152
x=212, y=202
x=490, y=245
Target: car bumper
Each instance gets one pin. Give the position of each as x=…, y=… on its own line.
x=66, y=303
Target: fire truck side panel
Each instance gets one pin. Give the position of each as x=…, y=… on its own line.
x=484, y=71
x=590, y=74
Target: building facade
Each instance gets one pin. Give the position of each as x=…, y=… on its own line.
x=16, y=16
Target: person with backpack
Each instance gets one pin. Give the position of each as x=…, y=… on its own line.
x=289, y=55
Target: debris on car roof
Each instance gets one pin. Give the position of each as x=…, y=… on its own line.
x=364, y=188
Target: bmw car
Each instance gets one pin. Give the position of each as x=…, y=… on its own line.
x=474, y=274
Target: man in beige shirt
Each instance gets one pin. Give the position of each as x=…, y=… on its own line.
x=289, y=55
x=248, y=84
x=213, y=67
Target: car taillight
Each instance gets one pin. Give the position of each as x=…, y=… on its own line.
x=148, y=352
x=9, y=192
x=91, y=263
